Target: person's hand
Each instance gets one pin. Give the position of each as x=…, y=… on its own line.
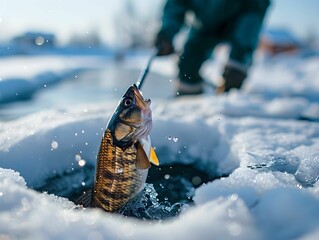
x=163, y=44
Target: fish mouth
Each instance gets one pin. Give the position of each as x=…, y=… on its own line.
x=138, y=115
x=144, y=128
x=144, y=105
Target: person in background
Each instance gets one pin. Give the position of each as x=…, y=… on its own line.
x=237, y=22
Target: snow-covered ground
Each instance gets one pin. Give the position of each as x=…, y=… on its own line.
x=257, y=139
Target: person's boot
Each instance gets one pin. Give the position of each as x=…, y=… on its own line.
x=183, y=89
x=233, y=77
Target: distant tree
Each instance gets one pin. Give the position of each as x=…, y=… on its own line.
x=136, y=25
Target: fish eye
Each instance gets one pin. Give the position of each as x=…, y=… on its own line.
x=127, y=102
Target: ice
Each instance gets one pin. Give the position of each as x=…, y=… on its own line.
x=21, y=81
x=261, y=143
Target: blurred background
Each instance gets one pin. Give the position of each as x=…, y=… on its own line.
x=43, y=43
x=121, y=24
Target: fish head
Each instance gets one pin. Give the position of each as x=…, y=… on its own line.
x=132, y=119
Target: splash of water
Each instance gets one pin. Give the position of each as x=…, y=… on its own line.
x=147, y=206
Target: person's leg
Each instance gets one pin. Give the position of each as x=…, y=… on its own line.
x=197, y=49
x=244, y=40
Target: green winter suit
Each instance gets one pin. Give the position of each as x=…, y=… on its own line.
x=237, y=22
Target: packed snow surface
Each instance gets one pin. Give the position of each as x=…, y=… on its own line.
x=263, y=143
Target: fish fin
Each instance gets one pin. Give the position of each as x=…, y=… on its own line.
x=85, y=199
x=153, y=157
x=142, y=161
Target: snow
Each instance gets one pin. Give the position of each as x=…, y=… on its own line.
x=255, y=140
x=22, y=77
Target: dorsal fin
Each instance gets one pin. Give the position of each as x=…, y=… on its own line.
x=85, y=199
x=141, y=161
x=153, y=157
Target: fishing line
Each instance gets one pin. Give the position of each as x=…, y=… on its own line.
x=143, y=75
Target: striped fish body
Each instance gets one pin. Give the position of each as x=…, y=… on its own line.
x=117, y=177
x=124, y=156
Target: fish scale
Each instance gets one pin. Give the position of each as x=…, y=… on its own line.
x=117, y=178
x=124, y=156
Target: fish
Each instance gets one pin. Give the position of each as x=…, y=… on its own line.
x=124, y=155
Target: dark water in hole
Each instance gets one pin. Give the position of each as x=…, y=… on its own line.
x=168, y=191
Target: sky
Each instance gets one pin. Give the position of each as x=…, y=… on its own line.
x=299, y=16
x=67, y=18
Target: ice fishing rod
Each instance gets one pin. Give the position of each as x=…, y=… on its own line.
x=143, y=75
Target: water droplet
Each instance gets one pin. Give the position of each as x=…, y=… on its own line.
x=39, y=40
x=78, y=157
x=82, y=163
x=75, y=134
x=82, y=131
x=196, y=180
x=175, y=139
x=167, y=176
x=233, y=197
x=83, y=184
x=54, y=145
x=119, y=170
